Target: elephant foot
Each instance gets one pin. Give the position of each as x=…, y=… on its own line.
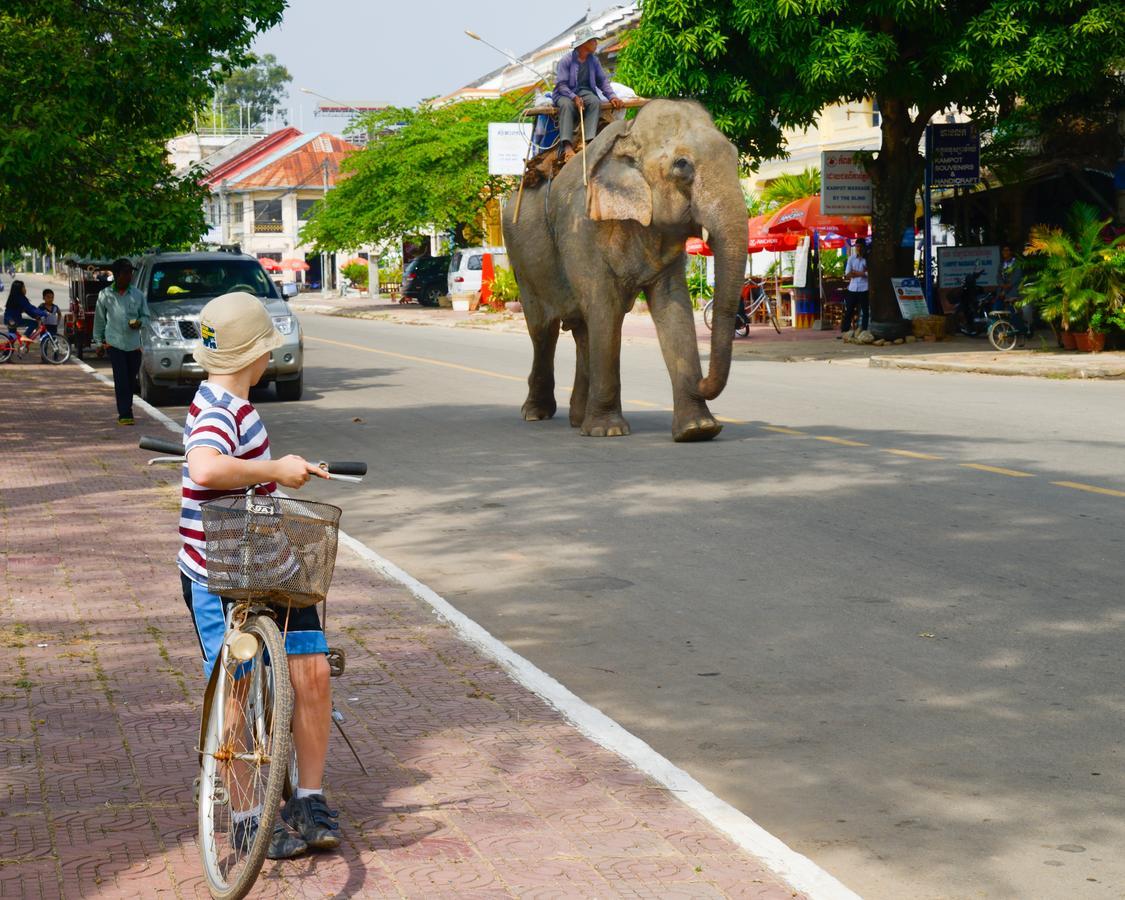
x=535, y=410
x=612, y=425
x=700, y=428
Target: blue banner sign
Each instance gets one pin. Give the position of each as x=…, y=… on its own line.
x=954, y=156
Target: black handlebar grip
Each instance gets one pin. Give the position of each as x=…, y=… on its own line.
x=347, y=468
x=157, y=445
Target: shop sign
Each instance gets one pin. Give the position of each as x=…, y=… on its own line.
x=845, y=186
x=507, y=147
x=911, y=300
x=954, y=263
x=954, y=156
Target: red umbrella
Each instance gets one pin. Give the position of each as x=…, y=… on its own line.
x=804, y=216
x=757, y=239
x=294, y=265
x=269, y=264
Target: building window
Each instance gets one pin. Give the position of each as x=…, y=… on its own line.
x=304, y=207
x=874, y=113
x=267, y=216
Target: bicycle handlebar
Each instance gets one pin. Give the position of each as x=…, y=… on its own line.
x=175, y=448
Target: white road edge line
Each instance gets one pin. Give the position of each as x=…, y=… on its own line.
x=798, y=870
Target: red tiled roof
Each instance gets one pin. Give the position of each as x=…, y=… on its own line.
x=303, y=166
x=244, y=160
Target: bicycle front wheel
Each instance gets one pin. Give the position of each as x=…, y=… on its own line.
x=1002, y=334
x=707, y=312
x=245, y=758
x=5, y=349
x=773, y=319
x=54, y=349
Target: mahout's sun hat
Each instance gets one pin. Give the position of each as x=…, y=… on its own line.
x=234, y=330
x=583, y=34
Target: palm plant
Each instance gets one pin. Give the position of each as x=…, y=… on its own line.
x=787, y=188
x=1075, y=273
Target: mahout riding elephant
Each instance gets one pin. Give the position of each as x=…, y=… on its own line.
x=581, y=256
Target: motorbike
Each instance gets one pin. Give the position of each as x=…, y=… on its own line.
x=972, y=306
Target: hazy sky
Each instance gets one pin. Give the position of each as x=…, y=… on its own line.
x=372, y=51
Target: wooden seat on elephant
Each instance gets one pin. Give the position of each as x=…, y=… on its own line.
x=546, y=164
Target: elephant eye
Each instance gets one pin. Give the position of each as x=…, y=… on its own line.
x=683, y=167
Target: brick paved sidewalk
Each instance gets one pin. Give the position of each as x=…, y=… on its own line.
x=479, y=789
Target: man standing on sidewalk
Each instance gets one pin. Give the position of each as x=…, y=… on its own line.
x=121, y=313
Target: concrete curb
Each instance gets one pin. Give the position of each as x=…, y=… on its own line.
x=1063, y=368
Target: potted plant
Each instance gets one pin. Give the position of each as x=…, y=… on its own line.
x=505, y=290
x=1076, y=274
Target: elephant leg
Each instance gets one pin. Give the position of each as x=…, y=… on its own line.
x=675, y=327
x=581, y=393
x=603, y=416
x=540, y=403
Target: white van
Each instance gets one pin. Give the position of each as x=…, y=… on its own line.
x=466, y=265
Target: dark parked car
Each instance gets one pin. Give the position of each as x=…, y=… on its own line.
x=425, y=279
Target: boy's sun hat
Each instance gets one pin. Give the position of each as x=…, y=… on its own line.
x=234, y=330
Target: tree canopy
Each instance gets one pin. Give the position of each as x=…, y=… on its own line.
x=90, y=96
x=424, y=167
x=764, y=65
x=258, y=88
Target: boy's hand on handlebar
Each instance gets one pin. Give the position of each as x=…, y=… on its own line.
x=293, y=471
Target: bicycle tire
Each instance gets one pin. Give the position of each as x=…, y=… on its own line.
x=54, y=349
x=5, y=350
x=1002, y=335
x=742, y=328
x=267, y=704
x=773, y=320
x=708, y=311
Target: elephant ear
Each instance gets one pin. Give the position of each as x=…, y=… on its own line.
x=617, y=188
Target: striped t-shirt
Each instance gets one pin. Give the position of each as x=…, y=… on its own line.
x=230, y=425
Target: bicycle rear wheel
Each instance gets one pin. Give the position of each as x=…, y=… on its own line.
x=245, y=758
x=1002, y=334
x=54, y=349
x=707, y=312
x=5, y=349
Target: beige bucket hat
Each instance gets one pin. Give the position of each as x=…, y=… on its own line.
x=234, y=330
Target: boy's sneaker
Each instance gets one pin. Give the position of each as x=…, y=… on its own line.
x=283, y=843
x=125, y=420
x=311, y=818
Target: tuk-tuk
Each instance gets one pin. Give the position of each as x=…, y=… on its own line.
x=87, y=279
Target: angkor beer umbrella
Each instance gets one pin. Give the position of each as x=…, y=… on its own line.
x=804, y=217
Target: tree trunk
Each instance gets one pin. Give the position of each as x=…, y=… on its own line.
x=896, y=174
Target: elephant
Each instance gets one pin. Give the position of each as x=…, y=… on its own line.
x=581, y=256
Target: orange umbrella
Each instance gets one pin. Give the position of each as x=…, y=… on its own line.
x=269, y=264
x=757, y=239
x=804, y=216
x=294, y=265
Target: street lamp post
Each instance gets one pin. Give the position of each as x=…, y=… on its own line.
x=372, y=260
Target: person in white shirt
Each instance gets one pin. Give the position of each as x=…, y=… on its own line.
x=856, y=305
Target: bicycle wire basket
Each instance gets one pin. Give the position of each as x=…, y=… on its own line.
x=275, y=549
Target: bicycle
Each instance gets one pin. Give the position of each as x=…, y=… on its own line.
x=268, y=554
x=758, y=299
x=1007, y=330
x=53, y=348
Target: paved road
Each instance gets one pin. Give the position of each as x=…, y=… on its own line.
x=868, y=615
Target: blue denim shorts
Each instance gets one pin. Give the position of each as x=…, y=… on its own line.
x=305, y=634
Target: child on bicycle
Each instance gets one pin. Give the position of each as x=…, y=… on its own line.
x=50, y=311
x=226, y=451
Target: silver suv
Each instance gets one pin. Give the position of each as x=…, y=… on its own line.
x=177, y=287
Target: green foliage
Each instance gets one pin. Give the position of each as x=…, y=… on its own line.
x=832, y=263
x=425, y=167
x=91, y=93
x=357, y=273
x=698, y=288
x=1074, y=274
x=259, y=87
x=505, y=289
x=787, y=188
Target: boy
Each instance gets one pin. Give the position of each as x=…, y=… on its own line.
x=227, y=450
x=51, y=317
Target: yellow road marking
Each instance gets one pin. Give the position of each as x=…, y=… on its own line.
x=911, y=454
x=780, y=430
x=996, y=470
x=727, y=421
x=645, y=403
x=421, y=359
x=844, y=441
x=1089, y=488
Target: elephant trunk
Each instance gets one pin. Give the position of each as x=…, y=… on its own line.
x=726, y=229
